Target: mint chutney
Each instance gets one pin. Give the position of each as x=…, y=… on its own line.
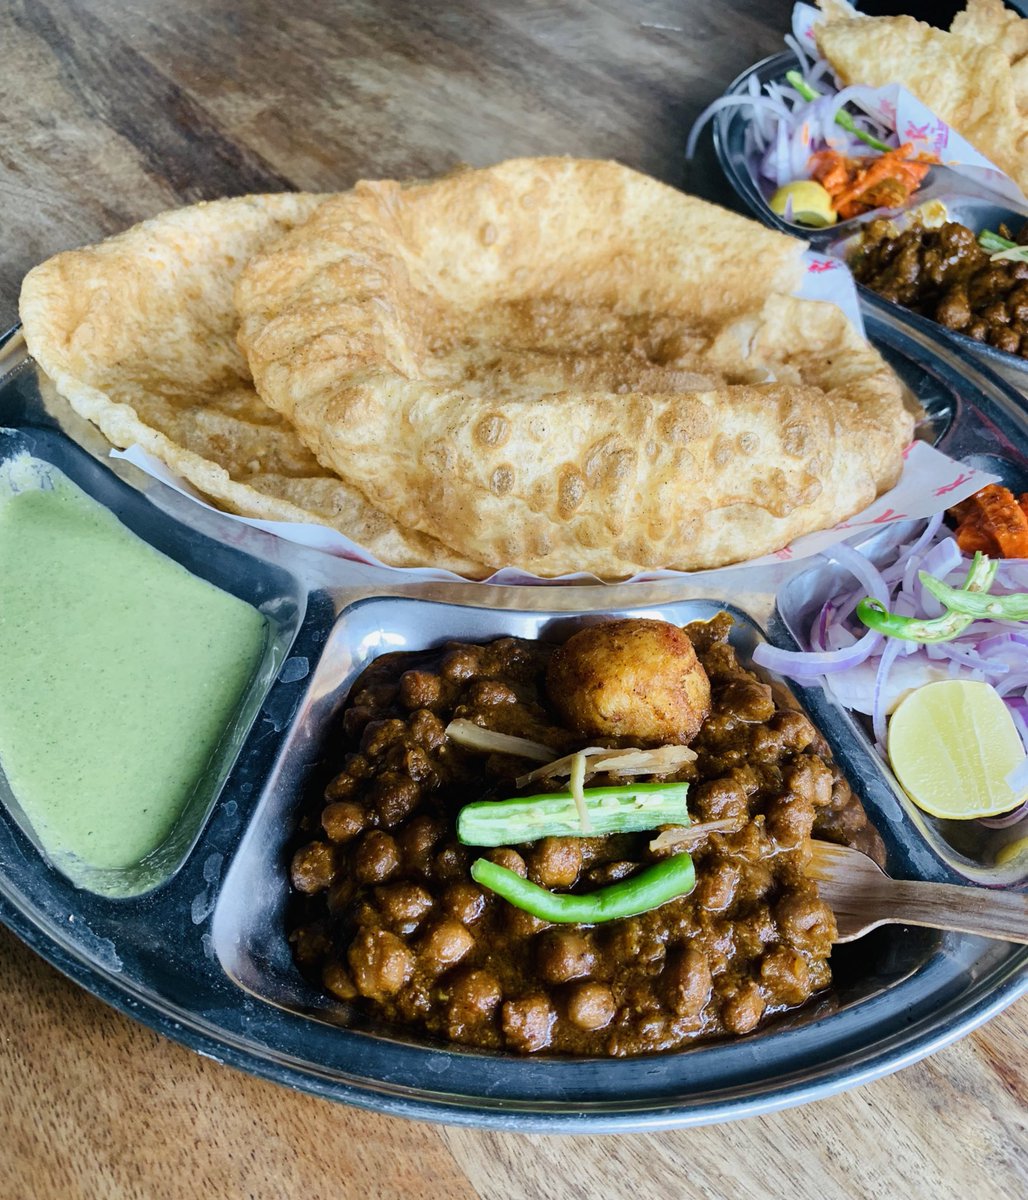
x=119, y=673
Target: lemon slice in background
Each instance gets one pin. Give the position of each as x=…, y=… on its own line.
x=952, y=744
x=811, y=203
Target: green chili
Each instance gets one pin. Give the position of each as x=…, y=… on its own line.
x=876, y=616
x=649, y=889
x=1001, y=249
x=796, y=80
x=628, y=808
x=992, y=242
x=977, y=604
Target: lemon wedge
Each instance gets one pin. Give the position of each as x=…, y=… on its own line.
x=952, y=744
x=811, y=204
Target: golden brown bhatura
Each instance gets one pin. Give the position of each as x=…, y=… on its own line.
x=138, y=333
x=555, y=364
x=565, y=365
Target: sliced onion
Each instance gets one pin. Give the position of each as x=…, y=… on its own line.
x=939, y=561
x=918, y=552
x=927, y=536
x=576, y=786
x=1016, y=683
x=808, y=666
x=817, y=71
x=801, y=55
x=799, y=147
x=1019, y=711
x=628, y=761
x=987, y=650
x=863, y=97
x=889, y=656
x=1012, y=573
x=781, y=160
x=904, y=606
x=1002, y=641
x=968, y=658
x=984, y=629
x=723, y=102
x=684, y=837
x=821, y=641
x=863, y=569
x=845, y=607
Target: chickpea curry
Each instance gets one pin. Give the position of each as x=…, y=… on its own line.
x=587, y=931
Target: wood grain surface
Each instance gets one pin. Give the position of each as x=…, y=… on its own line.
x=115, y=110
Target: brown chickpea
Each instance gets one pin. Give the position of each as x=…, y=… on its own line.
x=343, y=820
x=591, y=1005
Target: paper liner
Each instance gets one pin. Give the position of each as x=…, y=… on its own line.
x=930, y=483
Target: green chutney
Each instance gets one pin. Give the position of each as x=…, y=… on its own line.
x=119, y=673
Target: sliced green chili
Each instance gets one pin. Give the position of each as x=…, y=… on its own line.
x=977, y=604
x=649, y=889
x=993, y=242
x=876, y=616
x=628, y=808
x=1000, y=248
x=796, y=80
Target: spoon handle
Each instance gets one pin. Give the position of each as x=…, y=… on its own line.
x=990, y=912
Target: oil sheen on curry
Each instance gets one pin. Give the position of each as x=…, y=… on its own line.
x=597, y=848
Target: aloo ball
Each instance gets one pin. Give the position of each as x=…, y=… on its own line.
x=634, y=680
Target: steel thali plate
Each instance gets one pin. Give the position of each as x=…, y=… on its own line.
x=203, y=958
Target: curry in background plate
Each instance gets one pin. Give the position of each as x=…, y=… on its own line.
x=945, y=274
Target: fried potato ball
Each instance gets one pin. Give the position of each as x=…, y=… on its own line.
x=633, y=679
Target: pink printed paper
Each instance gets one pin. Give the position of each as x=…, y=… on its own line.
x=830, y=280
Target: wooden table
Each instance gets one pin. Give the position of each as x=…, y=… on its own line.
x=114, y=111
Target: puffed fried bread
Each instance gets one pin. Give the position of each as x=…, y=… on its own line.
x=565, y=365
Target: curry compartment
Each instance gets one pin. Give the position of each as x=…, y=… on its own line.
x=428, y=957
x=43, y=462
x=965, y=202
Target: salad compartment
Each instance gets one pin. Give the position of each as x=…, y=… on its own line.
x=940, y=849
x=741, y=168
x=965, y=200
